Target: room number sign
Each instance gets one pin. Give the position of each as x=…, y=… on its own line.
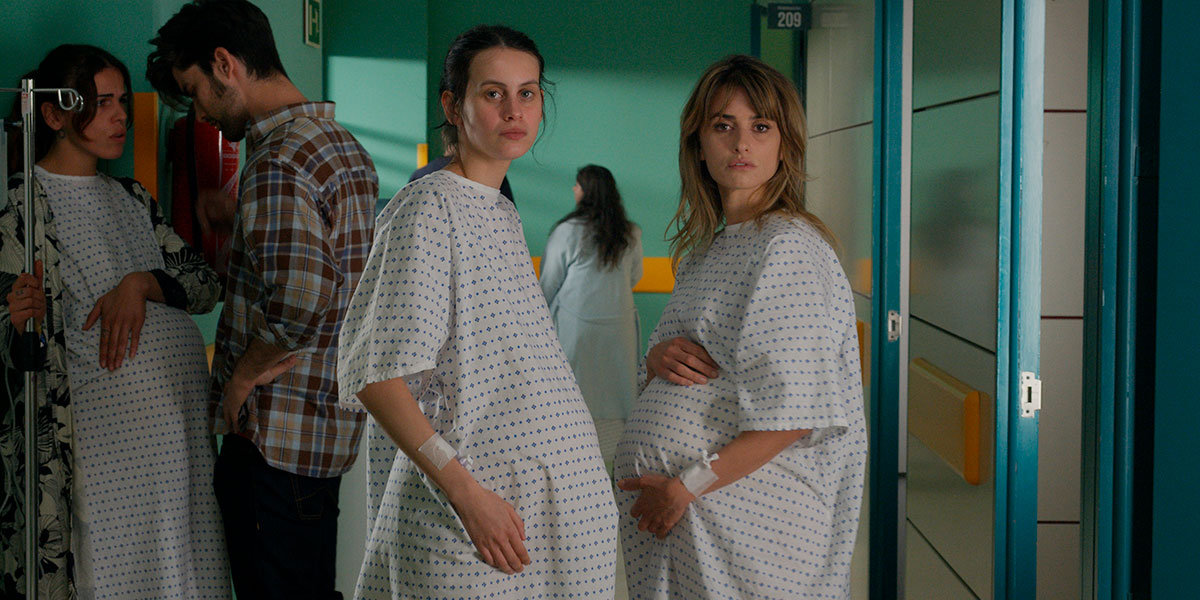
x=789, y=16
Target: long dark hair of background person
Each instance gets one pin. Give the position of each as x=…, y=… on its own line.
x=601, y=210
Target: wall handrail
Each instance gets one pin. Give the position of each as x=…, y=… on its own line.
x=946, y=415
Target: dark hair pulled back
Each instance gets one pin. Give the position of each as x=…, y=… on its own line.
x=456, y=69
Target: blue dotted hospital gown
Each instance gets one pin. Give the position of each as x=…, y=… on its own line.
x=146, y=523
x=774, y=310
x=449, y=301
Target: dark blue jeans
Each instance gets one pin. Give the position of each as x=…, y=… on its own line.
x=280, y=528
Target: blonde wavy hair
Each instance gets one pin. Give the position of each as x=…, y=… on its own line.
x=700, y=214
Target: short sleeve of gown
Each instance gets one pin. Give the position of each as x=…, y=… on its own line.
x=399, y=316
x=790, y=358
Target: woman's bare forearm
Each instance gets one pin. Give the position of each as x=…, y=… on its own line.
x=395, y=409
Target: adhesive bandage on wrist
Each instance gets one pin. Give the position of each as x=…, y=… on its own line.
x=438, y=451
x=699, y=476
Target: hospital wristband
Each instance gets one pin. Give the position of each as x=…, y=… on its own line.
x=438, y=451
x=699, y=476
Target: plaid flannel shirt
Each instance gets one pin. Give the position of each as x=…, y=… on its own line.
x=304, y=226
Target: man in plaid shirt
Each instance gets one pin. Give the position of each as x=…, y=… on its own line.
x=303, y=229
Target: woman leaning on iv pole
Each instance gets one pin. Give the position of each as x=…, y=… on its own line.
x=134, y=327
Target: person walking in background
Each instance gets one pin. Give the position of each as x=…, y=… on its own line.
x=742, y=462
x=125, y=503
x=304, y=223
x=592, y=260
x=499, y=491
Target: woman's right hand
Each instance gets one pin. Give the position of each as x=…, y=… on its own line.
x=27, y=300
x=495, y=528
x=121, y=313
x=682, y=361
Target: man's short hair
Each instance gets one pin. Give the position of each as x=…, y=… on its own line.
x=197, y=30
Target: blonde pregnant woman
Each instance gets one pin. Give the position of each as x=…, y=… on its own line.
x=742, y=462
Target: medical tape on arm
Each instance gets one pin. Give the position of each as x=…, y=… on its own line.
x=438, y=451
x=699, y=476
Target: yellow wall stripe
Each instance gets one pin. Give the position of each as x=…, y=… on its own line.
x=657, y=277
x=422, y=154
x=948, y=416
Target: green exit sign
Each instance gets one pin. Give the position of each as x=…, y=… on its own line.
x=789, y=16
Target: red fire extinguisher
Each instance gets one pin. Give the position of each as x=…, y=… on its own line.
x=204, y=169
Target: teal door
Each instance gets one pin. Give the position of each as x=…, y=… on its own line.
x=974, y=277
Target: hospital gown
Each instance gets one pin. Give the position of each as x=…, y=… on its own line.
x=449, y=302
x=774, y=310
x=145, y=522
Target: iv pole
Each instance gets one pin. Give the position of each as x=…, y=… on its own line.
x=30, y=343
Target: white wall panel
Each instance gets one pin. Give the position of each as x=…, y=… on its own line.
x=1060, y=421
x=1058, y=562
x=1063, y=215
x=839, y=193
x=352, y=523
x=1066, y=54
x=840, y=70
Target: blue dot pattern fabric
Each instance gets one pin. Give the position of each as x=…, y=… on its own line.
x=449, y=302
x=773, y=308
x=146, y=523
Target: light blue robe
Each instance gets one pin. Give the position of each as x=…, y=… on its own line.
x=593, y=311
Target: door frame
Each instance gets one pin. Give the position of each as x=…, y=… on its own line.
x=1121, y=210
x=1019, y=289
x=888, y=295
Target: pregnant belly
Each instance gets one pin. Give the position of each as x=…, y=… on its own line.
x=170, y=350
x=671, y=425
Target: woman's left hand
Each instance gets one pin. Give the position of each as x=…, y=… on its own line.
x=121, y=312
x=662, y=503
x=681, y=361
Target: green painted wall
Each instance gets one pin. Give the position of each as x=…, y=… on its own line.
x=375, y=55
x=1176, y=472
x=33, y=29
x=622, y=73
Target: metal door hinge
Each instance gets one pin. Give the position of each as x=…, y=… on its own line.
x=1031, y=394
x=893, y=326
